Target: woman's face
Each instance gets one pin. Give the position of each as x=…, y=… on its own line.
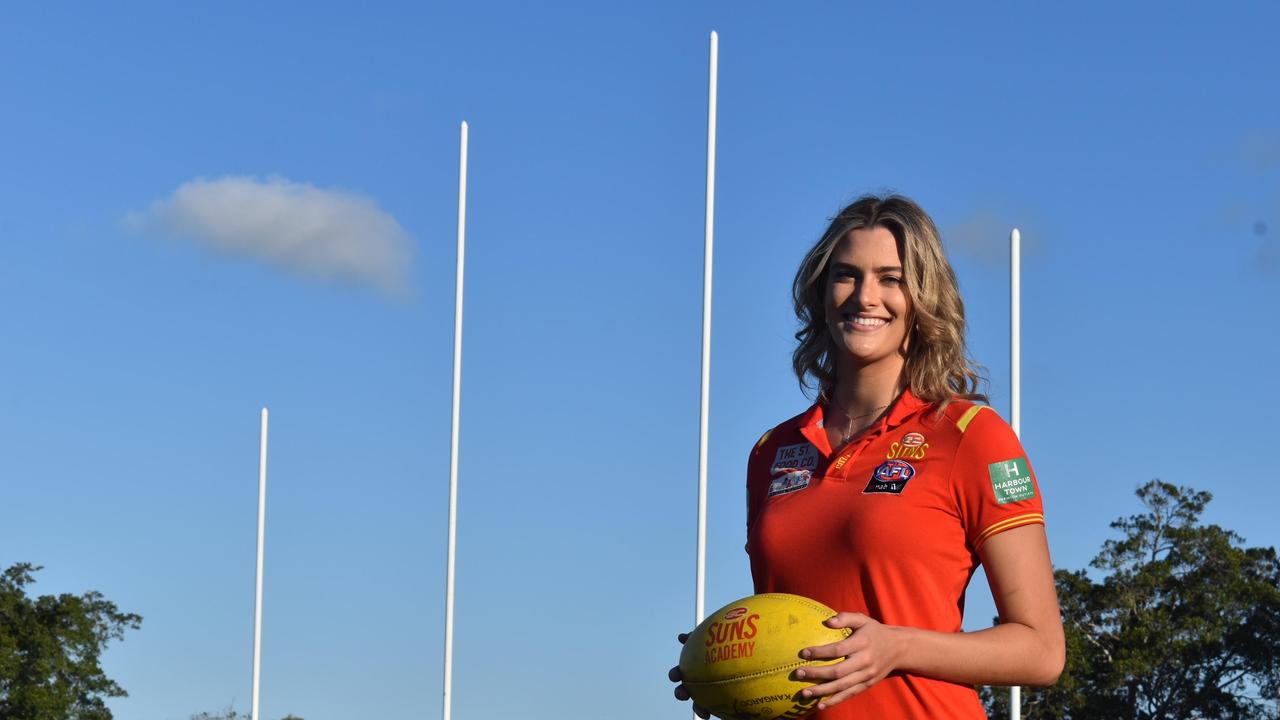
x=868, y=307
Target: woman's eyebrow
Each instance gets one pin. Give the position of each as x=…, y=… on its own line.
x=882, y=269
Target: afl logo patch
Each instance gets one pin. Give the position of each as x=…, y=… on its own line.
x=890, y=477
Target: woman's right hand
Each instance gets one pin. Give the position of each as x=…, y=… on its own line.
x=681, y=693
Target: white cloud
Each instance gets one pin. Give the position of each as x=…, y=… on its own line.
x=984, y=235
x=316, y=232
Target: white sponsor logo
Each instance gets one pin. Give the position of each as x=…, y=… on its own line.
x=795, y=457
x=789, y=482
x=793, y=467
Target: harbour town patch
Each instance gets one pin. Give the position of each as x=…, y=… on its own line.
x=1011, y=480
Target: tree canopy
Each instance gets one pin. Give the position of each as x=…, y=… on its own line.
x=1184, y=622
x=50, y=650
x=230, y=714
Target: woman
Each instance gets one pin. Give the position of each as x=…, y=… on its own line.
x=881, y=499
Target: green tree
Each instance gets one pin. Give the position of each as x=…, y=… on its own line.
x=227, y=714
x=1184, y=623
x=230, y=714
x=50, y=649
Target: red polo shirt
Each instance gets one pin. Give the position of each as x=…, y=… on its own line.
x=888, y=525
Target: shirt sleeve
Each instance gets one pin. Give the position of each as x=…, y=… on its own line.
x=993, y=482
x=756, y=475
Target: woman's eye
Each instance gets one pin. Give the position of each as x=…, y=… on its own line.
x=891, y=280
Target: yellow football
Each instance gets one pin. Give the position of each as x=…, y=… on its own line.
x=740, y=662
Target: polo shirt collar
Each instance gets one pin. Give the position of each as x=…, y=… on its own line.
x=906, y=407
x=903, y=409
x=812, y=428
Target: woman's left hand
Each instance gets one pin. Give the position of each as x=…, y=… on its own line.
x=870, y=653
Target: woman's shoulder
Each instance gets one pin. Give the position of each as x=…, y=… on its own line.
x=787, y=430
x=967, y=419
x=976, y=432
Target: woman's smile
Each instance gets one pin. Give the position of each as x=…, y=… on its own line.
x=857, y=322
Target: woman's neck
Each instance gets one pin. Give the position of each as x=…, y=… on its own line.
x=867, y=389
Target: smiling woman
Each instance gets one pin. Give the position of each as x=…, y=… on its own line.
x=938, y=368
x=882, y=498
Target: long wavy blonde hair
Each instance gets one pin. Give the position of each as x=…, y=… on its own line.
x=938, y=367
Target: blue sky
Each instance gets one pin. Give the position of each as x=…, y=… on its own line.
x=1137, y=147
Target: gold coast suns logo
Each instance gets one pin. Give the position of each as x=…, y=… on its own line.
x=730, y=637
x=912, y=446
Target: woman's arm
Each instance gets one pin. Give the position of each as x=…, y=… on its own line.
x=1026, y=648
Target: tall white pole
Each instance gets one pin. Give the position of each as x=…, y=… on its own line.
x=257, y=595
x=1015, y=383
x=1015, y=330
x=453, y=438
x=708, y=241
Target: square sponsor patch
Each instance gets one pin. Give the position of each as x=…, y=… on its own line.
x=1011, y=480
x=795, y=457
x=790, y=482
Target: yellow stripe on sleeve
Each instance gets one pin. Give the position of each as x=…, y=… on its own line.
x=764, y=437
x=968, y=416
x=1008, y=524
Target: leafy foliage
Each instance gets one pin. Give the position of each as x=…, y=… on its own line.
x=230, y=714
x=50, y=649
x=1184, y=624
x=227, y=714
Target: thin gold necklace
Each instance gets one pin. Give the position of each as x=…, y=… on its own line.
x=848, y=428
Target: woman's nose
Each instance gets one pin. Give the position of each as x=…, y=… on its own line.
x=868, y=295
